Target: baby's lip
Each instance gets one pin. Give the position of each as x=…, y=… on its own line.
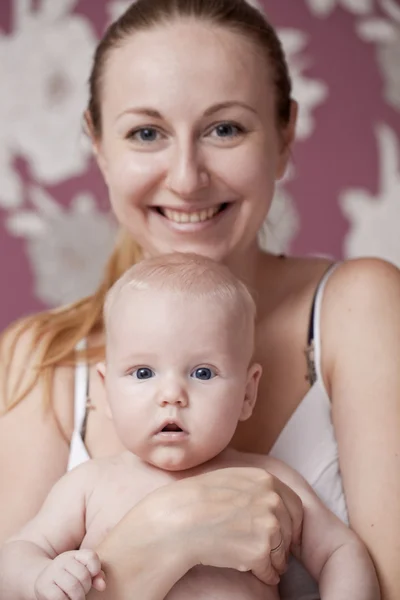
x=170, y=426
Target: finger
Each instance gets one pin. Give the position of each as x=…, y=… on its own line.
x=99, y=582
x=77, y=570
x=90, y=560
x=279, y=558
x=70, y=585
x=52, y=591
x=266, y=573
x=294, y=507
x=280, y=550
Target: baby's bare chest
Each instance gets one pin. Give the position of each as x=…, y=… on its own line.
x=123, y=484
x=118, y=490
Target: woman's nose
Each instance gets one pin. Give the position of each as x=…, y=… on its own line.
x=187, y=174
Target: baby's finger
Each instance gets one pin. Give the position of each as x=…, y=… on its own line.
x=70, y=585
x=99, y=582
x=80, y=574
x=52, y=591
x=90, y=560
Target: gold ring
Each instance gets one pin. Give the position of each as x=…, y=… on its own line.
x=278, y=547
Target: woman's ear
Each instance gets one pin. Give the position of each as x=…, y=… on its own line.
x=95, y=140
x=101, y=370
x=253, y=378
x=287, y=137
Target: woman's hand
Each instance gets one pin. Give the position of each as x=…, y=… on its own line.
x=240, y=518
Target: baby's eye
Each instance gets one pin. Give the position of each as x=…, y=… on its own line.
x=143, y=373
x=203, y=373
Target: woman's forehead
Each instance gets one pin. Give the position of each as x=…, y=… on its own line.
x=185, y=61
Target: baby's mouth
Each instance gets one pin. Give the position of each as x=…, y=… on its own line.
x=171, y=427
x=200, y=216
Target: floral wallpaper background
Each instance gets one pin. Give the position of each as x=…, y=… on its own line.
x=341, y=196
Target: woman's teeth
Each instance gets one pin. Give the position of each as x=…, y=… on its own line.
x=190, y=217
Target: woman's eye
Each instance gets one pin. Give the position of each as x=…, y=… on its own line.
x=143, y=373
x=203, y=373
x=145, y=135
x=226, y=130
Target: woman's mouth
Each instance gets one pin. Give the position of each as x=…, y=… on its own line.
x=191, y=217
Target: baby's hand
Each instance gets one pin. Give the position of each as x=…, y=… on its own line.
x=70, y=576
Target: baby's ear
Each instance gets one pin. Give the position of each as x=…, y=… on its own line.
x=253, y=378
x=101, y=370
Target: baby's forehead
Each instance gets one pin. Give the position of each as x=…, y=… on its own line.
x=133, y=304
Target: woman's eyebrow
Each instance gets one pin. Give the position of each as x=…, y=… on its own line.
x=142, y=110
x=221, y=105
x=155, y=114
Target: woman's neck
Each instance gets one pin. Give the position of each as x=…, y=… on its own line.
x=251, y=266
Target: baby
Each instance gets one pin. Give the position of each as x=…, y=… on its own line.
x=179, y=377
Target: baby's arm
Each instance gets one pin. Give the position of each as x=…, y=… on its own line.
x=43, y=558
x=330, y=551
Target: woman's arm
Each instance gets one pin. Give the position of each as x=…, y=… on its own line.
x=228, y=518
x=33, y=450
x=330, y=551
x=361, y=335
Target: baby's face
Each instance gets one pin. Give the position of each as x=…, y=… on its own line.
x=177, y=377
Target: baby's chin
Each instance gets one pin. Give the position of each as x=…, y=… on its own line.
x=176, y=464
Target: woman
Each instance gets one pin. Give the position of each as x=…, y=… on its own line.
x=192, y=122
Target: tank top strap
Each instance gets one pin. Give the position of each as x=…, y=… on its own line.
x=313, y=350
x=81, y=390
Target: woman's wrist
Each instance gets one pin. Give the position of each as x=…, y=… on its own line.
x=146, y=553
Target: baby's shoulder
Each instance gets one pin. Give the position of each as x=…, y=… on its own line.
x=269, y=464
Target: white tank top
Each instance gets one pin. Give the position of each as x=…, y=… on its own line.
x=307, y=443
x=77, y=451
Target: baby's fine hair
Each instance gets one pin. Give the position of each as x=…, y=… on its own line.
x=185, y=273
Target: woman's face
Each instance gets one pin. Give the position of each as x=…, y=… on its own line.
x=189, y=149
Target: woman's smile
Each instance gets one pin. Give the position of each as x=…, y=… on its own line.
x=192, y=220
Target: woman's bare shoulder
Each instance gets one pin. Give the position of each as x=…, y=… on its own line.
x=20, y=352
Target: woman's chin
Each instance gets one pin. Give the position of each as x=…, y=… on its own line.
x=209, y=250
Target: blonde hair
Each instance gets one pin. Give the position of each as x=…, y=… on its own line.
x=188, y=274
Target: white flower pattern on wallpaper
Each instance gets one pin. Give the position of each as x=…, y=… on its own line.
x=309, y=93
x=45, y=62
x=370, y=216
x=324, y=8
x=116, y=8
x=385, y=33
x=283, y=222
x=67, y=248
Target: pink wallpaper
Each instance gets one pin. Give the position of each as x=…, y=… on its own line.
x=341, y=196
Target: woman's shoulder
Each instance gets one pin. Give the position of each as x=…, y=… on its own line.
x=360, y=311
x=352, y=276
x=362, y=283
x=21, y=350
